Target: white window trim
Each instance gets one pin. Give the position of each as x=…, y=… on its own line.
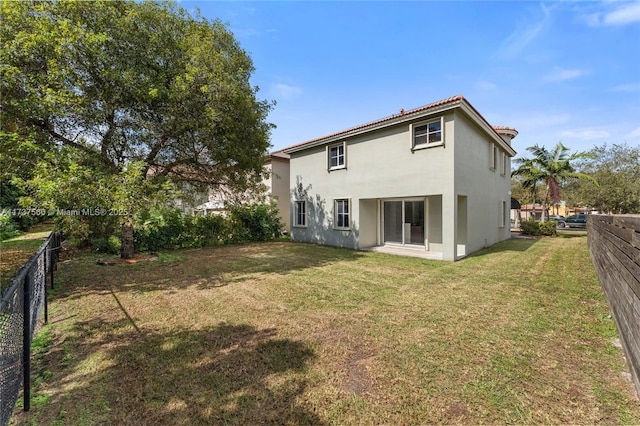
x=295, y=214
x=503, y=165
x=503, y=214
x=412, y=126
x=335, y=214
x=492, y=156
x=344, y=150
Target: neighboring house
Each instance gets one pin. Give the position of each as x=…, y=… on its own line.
x=277, y=184
x=433, y=181
x=276, y=188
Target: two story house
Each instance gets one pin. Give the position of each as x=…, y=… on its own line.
x=432, y=181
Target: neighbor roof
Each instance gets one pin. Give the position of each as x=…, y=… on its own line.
x=458, y=101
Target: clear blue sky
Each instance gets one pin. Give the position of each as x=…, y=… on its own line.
x=556, y=71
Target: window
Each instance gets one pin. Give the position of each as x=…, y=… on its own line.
x=493, y=157
x=336, y=157
x=503, y=165
x=300, y=214
x=503, y=214
x=341, y=213
x=427, y=134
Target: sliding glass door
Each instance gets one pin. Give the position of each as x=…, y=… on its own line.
x=403, y=222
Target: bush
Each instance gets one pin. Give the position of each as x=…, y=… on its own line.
x=7, y=227
x=539, y=228
x=259, y=222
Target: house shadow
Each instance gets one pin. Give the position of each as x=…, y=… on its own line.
x=510, y=245
x=222, y=374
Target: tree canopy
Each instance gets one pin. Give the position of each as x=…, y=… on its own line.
x=617, y=168
x=133, y=94
x=551, y=169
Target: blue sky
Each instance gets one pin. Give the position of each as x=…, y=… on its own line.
x=556, y=71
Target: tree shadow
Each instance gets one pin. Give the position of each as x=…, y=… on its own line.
x=513, y=245
x=222, y=374
x=204, y=268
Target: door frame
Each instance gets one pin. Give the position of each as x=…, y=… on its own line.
x=381, y=241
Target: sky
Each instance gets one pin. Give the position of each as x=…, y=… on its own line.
x=563, y=71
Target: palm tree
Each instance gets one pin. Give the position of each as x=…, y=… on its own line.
x=552, y=169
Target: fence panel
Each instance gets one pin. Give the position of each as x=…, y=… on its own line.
x=18, y=322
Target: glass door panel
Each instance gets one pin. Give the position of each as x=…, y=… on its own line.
x=414, y=222
x=393, y=222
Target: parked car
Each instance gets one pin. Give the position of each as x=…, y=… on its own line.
x=576, y=221
x=559, y=219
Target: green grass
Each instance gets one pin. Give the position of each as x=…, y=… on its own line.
x=15, y=252
x=287, y=333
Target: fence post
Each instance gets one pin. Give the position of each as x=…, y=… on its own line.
x=44, y=277
x=26, y=342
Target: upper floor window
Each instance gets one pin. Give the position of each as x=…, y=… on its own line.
x=503, y=164
x=337, y=156
x=493, y=157
x=300, y=214
x=426, y=134
x=341, y=214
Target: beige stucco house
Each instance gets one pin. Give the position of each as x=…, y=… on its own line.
x=433, y=181
x=275, y=185
x=277, y=164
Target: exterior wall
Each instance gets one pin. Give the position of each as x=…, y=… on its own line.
x=378, y=165
x=463, y=194
x=485, y=188
x=278, y=185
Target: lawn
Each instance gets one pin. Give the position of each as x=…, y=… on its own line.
x=15, y=252
x=286, y=333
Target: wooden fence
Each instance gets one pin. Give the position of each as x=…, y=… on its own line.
x=614, y=243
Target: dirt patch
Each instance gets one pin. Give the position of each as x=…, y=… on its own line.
x=140, y=257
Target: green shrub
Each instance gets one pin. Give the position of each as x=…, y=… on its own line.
x=258, y=222
x=531, y=227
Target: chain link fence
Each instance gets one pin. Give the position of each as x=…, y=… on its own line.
x=21, y=307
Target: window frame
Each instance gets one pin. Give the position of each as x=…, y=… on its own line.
x=296, y=214
x=412, y=135
x=503, y=214
x=339, y=145
x=347, y=214
x=503, y=165
x=493, y=156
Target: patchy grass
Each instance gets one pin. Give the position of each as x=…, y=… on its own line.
x=14, y=252
x=284, y=333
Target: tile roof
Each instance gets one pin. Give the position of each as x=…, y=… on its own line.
x=458, y=99
x=380, y=121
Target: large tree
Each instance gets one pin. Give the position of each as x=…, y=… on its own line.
x=142, y=92
x=552, y=169
x=617, y=168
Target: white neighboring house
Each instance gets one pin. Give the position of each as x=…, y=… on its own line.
x=433, y=181
x=276, y=188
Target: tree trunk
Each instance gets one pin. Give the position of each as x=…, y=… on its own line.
x=127, y=250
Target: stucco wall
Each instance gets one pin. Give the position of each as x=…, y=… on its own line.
x=485, y=188
x=280, y=189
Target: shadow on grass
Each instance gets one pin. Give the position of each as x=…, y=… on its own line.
x=204, y=268
x=510, y=245
x=222, y=374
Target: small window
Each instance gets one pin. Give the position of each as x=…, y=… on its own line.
x=425, y=134
x=493, y=157
x=342, y=217
x=336, y=157
x=300, y=214
x=503, y=165
x=503, y=214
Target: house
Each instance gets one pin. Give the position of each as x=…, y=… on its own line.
x=277, y=164
x=275, y=186
x=433, y=181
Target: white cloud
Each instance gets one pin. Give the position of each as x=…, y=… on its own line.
x=585, y=134
x=526, y=33
x=560, y=75
x=624, y=13
x=286, y=91
x=631, y=87
x=486, y=85
x=633, y=135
